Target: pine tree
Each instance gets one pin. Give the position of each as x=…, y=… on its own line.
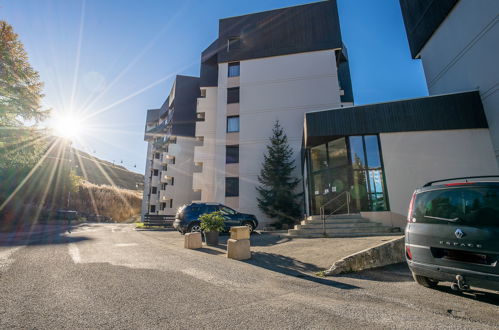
x=277, y=196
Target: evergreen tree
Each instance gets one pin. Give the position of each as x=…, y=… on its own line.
x=277, y=196
x=20, y=86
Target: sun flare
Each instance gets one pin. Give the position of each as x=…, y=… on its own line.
x=68, y=126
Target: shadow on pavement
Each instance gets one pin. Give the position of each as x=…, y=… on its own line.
x=41, y=239
x=289, y=266
x=393, y=273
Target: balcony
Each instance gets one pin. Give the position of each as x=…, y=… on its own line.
x=166, y=195
x=198, y=167
x=166, y=178
x=199, y=141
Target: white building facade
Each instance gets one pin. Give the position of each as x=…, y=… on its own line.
x=170, y=153
x=251, y=78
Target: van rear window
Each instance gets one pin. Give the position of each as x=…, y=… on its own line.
x=476, y=206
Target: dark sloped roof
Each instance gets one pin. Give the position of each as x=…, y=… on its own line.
x=422, y=18
x=283, y=31
x=441, y=112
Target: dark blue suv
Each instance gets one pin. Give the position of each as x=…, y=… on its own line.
x=187, y=217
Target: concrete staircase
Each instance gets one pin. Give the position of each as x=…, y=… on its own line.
x=343, y=225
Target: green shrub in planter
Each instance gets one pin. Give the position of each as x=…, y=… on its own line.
x=212, y=221
x=211, y=224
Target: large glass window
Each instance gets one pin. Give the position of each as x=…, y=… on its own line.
x=232, y=124
x=357, y=157
x=337, y=153
x=318, y=157
x=372, y=151
x=348, y=164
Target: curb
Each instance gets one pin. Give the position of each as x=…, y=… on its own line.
x=384, y=254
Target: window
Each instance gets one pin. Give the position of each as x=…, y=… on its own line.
x=162, y=206
x=156, y=155
x=357, y=152
x=232, y=154
x=155, y=172
x=154, y=190
x=203, y=92
x=231, y=187
x=165, y=167
x=232, y=124
x=173, y=180
x=233, y=95
x=153, y=209
x=227, y=210
x=233, y=43
x=200, y=116
x=234, y=70
x=163, y=186
x=171, y=203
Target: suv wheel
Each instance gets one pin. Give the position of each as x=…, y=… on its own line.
x=425, y=281
x=194, y=228
x=249, y=225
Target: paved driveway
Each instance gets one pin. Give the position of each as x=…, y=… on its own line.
x=112, y=276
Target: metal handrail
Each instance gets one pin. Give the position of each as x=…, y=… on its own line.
x=323, y=207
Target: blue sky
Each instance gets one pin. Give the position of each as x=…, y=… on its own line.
x=117, y=58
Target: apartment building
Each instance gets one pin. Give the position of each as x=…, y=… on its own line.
x=267, y=66
x=170, y=133
x=457, y=42
x=378, y=154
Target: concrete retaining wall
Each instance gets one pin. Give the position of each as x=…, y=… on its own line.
x=387, y=253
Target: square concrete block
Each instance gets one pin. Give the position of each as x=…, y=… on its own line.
x=193, y=241
x=239, y=232
x=238, y=249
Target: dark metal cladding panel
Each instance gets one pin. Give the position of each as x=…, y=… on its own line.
x=209, y=66
x=152, y=115
x=422, y=18
x=164, y=108
x=185, y=102
x=345, y=81
x=304, y=28
x=443, y=112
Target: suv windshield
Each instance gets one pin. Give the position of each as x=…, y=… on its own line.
x=477, y=206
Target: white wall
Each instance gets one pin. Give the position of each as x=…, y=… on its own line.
x=147, y=182
x=205, y=180
x=463, y=54
x=283, y=88
x=413, y=158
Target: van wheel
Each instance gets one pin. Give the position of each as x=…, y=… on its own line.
x=194, y=228
x=425, y=281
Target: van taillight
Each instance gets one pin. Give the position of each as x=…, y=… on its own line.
x=411, y=207
x=408, y=253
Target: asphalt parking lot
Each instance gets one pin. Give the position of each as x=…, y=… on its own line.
x=113, y=276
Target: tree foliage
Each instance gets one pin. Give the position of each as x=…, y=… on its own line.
x=277, y=191
x=20, y=86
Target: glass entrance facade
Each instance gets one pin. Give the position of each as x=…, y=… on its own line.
x=351, y=164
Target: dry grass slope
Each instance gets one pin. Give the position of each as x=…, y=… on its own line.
x=117, y=203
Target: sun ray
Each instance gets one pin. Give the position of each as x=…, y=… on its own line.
x=28, y=176
x=88, y=104
x=90, y=192
x=78, y=54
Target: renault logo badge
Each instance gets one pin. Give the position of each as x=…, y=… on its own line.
x=459, y=233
